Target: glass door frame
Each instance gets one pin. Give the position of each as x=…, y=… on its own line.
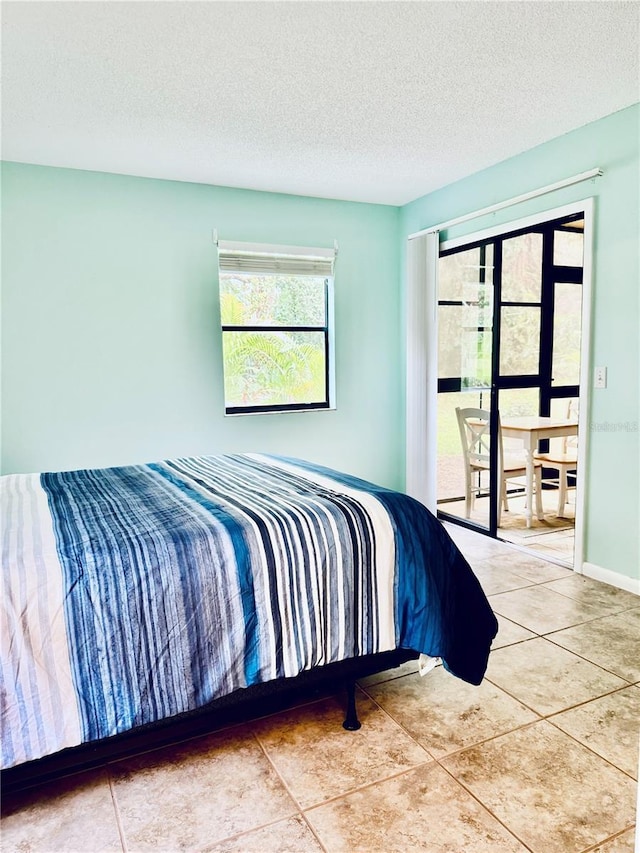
x=509, y=229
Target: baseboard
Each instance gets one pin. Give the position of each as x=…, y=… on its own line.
x=612, y=578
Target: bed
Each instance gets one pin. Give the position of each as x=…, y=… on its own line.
x=142, y=594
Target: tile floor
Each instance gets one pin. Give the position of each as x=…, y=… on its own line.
x=542, y=757
x=552, y=537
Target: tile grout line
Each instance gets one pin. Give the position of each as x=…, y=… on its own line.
x=489, y=562
x=619, y=611
x=242, y=727
x=562, y=710
x=486, y=740
x=238, y=835
x=555, y=630
x=287, y=788
x=547, y=718
x=515, y=642
x=546, y=635
x=582, y=657
x=559, y=646
x=591, y=847
x=560, y=558
x=483, y=741
x=116, y=808
x=397, y=722
x=429, y=759
x=367, y=785
x=541, y=717
x=313, y=832
x=615, y=612
x=586, y=746
x=528, y=553
x=485, y=807
x=364, y=687
x=594, y=847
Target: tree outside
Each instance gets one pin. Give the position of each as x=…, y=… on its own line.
x=278, y=365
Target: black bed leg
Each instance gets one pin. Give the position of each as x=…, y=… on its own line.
x=351, y=721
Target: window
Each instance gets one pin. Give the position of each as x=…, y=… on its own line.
x=276, y=306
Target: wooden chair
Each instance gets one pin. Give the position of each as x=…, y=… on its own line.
x=563, y=457
x=474, y=428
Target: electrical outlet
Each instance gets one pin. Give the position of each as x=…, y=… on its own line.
x=600, y=377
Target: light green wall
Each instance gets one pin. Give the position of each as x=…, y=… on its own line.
x=111, y=339
x=613, y=476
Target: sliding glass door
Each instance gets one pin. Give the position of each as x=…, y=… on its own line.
x=465, y=354
x=509, y=337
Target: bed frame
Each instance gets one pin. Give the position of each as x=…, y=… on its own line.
x=239, y=706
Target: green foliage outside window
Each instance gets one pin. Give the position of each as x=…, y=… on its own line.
x=276, y=366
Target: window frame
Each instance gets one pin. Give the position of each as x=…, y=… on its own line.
x=264, y=252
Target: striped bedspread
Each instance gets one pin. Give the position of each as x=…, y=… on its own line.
x=136, y=593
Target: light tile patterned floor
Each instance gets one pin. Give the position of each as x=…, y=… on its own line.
x=542, y=757
x=552, y=537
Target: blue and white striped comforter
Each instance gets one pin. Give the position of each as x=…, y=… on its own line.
x=133, y=594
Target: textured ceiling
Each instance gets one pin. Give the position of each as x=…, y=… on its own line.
x=368, y=101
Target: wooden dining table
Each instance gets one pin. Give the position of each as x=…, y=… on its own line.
x=530, y=431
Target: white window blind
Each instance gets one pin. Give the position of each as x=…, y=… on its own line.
x=267, y=258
